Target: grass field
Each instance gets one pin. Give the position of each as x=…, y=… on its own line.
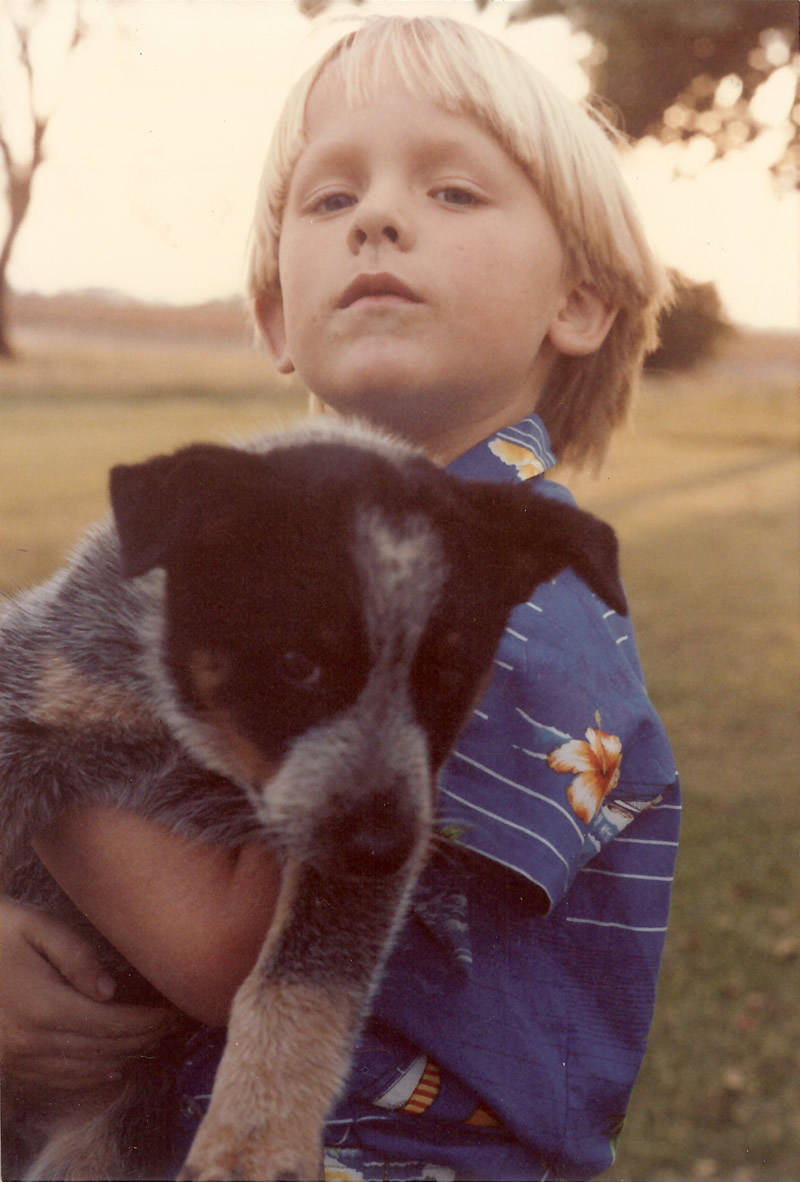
x=704, y=494
x=705, y=497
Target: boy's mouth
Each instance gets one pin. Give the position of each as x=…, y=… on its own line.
x=380, y=286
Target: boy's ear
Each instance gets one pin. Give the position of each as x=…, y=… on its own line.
x=269, y=315
x=581, y=322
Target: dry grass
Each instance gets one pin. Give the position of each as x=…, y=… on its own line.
x=67, y=416
x=705, y=497
x=704, y=493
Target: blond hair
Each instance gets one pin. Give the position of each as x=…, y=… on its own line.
x=566, y=150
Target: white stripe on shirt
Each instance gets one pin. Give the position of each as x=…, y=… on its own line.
x=604, y=923
x=565, y=812
x=504, y=821
x=620, y=874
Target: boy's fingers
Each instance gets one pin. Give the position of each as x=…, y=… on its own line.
x=134, y=1025
x=87, y=984
x=66, y=1074
x=89, y=1054
x=74, y=1048
x=85, y=991
x=108, y=1023
x=118, y=1034
x=72, y=957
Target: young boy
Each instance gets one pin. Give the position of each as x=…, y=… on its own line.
x=443, y=245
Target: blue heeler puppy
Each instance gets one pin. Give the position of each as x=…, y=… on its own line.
x=279, y=641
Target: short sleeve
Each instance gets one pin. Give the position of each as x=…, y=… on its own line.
x=565, y=749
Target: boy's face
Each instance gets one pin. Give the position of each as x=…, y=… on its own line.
x=420, y=273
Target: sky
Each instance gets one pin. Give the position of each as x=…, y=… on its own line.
x=162, y=116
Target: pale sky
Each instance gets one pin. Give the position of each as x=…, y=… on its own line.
x=164, y=113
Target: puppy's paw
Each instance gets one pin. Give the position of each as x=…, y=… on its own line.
x=237, y=1171
x=250, y=1160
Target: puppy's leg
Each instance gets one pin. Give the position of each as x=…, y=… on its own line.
x=292, y=1028
x=80, y=1149
x=81, y=1143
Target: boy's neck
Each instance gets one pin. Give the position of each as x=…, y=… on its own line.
x=445, y=444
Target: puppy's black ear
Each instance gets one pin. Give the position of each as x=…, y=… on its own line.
x=536, y=537
x=156, y=503
x=145, y=523
x=589, y=546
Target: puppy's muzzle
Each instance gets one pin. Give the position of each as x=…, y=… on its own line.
x=372, y=835
x=354, y=796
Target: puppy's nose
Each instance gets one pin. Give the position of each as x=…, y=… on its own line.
x=374, y=835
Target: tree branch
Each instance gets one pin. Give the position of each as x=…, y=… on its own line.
x=20, y=175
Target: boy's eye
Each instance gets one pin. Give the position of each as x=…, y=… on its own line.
x=455, y=195
x=332, y=202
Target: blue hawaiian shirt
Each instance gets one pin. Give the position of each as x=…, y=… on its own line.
x=514, y=1012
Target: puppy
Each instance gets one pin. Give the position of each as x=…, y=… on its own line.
x=278, y=641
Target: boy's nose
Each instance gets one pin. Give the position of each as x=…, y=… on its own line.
x=376, y=223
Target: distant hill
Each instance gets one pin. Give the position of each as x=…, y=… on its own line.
x=107, y=313
x=225, y=324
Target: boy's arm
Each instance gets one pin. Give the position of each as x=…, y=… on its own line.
x=190, y=916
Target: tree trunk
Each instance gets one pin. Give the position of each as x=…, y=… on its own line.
x=19, y=186
x=6, y=352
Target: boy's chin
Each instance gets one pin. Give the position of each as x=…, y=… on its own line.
x=399, y=407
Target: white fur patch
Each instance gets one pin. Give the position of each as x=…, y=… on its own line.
x=403, y=569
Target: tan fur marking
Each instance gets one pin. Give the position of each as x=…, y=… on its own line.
x=209, y=670
x=244, y=758
x=68, y=697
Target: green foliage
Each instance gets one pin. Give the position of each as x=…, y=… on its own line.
x=691, y=329
x=652, y=50
x=688, y=70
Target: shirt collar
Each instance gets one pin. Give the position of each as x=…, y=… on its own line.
x=512, y=453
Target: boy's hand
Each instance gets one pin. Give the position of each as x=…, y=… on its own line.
x=59, y=1028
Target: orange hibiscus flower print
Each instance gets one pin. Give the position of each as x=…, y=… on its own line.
x=522, y=458
x=595, y=760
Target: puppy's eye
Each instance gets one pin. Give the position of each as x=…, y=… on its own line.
x=299, y=670
x=452, y=669
x=449, y=680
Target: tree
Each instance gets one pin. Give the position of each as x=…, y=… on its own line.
x=678, y=69
x=22, y=21
x=691, y=328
